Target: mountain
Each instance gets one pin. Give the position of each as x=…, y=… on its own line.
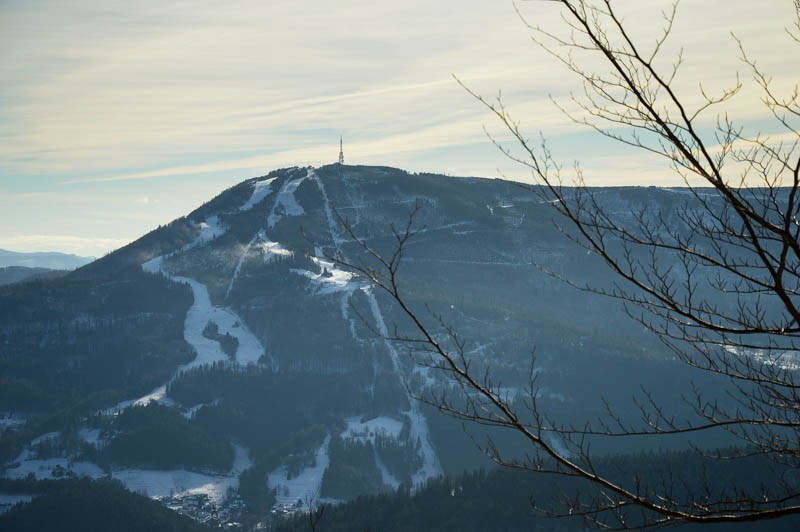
x=50, y=259
x=17, y=274
x=225, y=356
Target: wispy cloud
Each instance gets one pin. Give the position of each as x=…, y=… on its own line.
x=135, y=96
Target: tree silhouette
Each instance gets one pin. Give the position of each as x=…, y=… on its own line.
x=719, y=284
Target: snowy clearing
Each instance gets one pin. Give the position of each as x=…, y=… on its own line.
x=306, y=485
x=261, y=190
x=158, y=484
x=153, y=483
x=386, y=476
x=332, y=279
x=154, y=265
x=200, y=314
x=158, y=395
x=367, y=430
x=286, y=203
x=209, y=351
x=272, y=251
x=210, y=229
x=52, y=468
x=332, y=226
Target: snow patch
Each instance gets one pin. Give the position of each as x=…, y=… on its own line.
x=52, y=468
x=158, y=484
x=154, y=265
x=306, y=485
x=158, y=395
x=190, y=412
x=45, y=437
x=332, y=279
x=92, y=437
x=210, y=229
x=209, y=351
x=261, y=190
x=11, y=420
x=273, y=251
x=386, y=476
x=286, y=203
x=366, y=431
x=785, y=360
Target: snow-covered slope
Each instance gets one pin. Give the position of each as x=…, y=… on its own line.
x=284, y=361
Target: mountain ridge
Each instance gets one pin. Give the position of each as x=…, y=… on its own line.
x=52, y=260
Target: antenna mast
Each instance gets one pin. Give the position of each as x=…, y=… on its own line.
x=341, y=151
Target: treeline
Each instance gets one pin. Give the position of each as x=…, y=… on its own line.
x=260, y=408
x=84, y=342
x=159, y=437
x=500, y=499
x=80, y=505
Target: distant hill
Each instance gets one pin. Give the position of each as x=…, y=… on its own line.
x=17, y=274
x=49, y=259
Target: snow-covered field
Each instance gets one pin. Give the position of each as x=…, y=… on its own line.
x=305, y=486
x=158, y=484
x=150, y=482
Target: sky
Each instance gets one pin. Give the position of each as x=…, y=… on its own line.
x=118, y=116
